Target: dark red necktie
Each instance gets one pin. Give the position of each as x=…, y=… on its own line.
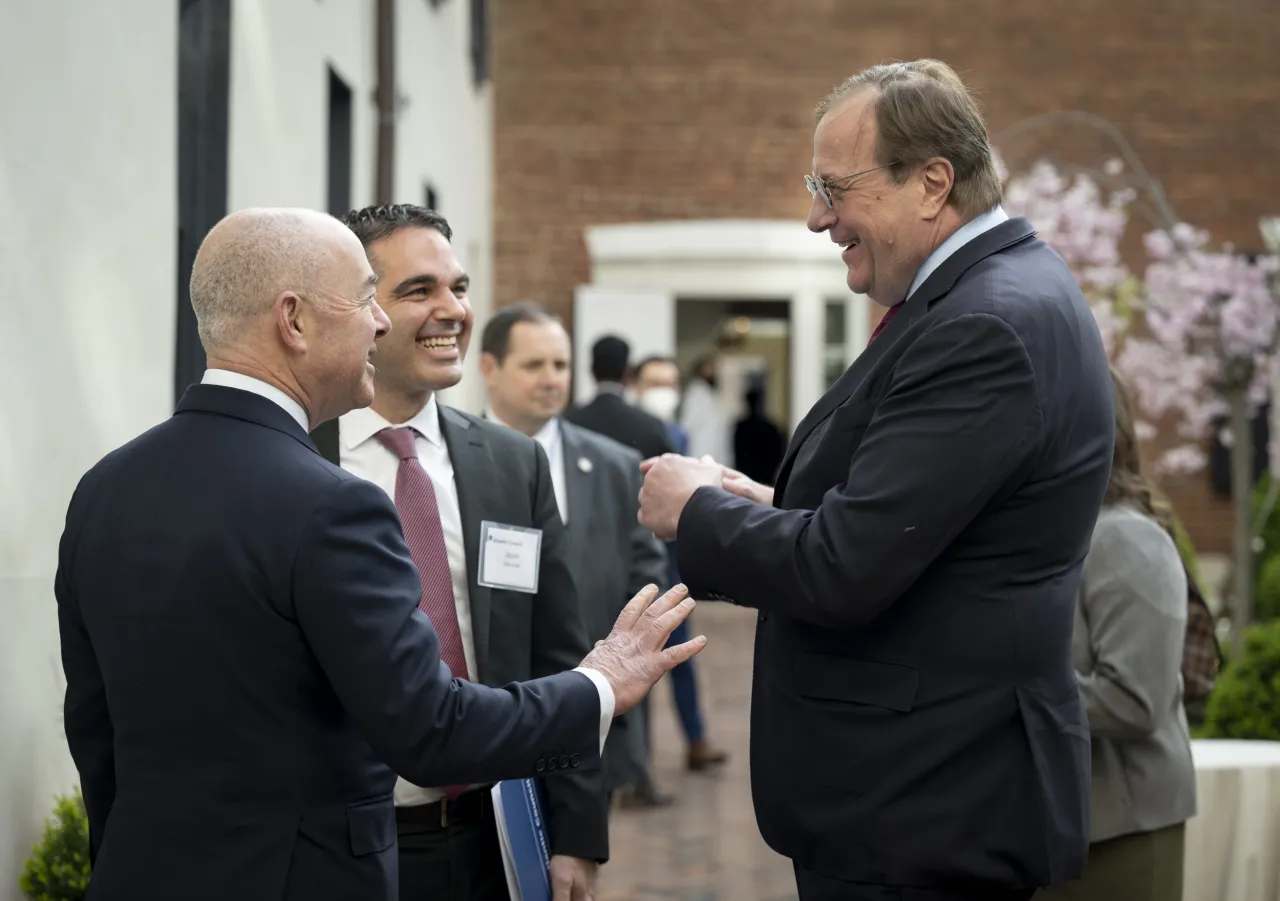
x=420, y=518
x=884, y=320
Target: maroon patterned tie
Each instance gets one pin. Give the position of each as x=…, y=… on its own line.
x=420, y=517
x=884, y=320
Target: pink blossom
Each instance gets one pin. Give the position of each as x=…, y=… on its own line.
x=1213, y=319
x=1077, y=220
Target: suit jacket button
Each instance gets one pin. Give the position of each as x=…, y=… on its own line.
x=564, y=761
x=539, y=766
x=573, y=760
x=763, y=617
x=551, y=763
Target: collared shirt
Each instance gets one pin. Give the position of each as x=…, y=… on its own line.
x=962, y=236
x=553, y=443
x=225, y=378
x=362, y=454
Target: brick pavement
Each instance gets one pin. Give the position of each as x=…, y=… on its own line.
x=706, y=846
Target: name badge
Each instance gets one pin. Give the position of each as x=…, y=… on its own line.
x=509, y=557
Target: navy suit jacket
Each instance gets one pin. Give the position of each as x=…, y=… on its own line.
x=915, y=715
x=244, y=656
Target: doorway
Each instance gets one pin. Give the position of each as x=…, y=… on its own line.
x=751, y=343
x=771, y=289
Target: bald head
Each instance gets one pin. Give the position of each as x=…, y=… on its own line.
x=287, y=297
x=252, y=256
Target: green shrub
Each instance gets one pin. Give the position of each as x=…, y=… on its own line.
x=1266, y=595
x=58, y=869
x=1246, y=697
x=1269, y=531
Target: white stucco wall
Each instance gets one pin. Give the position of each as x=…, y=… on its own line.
x=88, y=224
x=445, y=136
x=87, y=274
x=281, y=51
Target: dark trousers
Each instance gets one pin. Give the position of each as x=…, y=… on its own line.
x=814, y=887
x=455, y=860
x=684, y=689
x=1145, y=866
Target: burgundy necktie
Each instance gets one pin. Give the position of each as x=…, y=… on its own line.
x=420, y=518
x=884, y=320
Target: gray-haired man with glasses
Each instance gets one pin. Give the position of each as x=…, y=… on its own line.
x=917, y=732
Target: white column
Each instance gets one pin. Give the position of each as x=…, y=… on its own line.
x=808, y=335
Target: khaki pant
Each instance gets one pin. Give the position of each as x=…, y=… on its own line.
x=1145, y=866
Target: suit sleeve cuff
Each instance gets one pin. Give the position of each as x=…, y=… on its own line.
x=607, y=702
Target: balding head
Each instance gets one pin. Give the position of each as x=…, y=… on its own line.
x=251, y=257
x=286, y=295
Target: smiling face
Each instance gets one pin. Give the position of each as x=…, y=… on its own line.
x=330, y=326
x=349, y=328
x=423, y=289
x=887, y=230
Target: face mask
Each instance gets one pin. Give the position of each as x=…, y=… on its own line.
x=660, y=402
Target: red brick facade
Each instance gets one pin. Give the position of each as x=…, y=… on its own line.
x=616, y=111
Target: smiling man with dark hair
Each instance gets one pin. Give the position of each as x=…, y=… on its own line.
x=480, y=476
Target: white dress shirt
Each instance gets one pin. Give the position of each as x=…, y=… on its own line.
x=225, y=378
x=363, y=455
x=963, y=235
x=553, y=443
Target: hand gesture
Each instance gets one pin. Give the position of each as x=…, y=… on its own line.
x=735, y=482
x=633, y=658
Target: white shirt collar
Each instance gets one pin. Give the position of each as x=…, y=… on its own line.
x=547, y=436
x=225, y=378
x=963, y=235
x=359, y=426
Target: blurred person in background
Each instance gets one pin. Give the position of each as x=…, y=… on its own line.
x=526, y=362
x=1131, y=616
x=656, y=383
x=703, y=415
x=609, y=412
x=758, y=444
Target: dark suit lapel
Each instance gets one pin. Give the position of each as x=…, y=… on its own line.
x=473, y=469
x=935, y=287
x=579, y=478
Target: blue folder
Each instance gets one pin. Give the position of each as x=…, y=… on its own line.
x=522, y=832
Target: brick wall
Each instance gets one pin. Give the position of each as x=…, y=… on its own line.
x=614, y=111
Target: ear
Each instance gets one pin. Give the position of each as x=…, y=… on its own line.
x=488, y=365
x=937, y=178
x=290, y=323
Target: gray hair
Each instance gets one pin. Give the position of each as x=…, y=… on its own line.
x=247, y=260
x=923, y=110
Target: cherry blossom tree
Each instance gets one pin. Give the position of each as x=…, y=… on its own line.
x=1212, y=324
x=1208, y=345
x=1085, y=226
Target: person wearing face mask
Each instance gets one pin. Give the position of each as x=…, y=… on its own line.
x=703, y=414
x=656, y=383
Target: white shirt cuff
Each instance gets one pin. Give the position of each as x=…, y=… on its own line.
x=606, y=700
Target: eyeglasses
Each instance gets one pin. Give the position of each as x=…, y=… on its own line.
x=821, y=187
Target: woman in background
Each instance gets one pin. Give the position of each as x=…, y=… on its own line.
x=1131, y=618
